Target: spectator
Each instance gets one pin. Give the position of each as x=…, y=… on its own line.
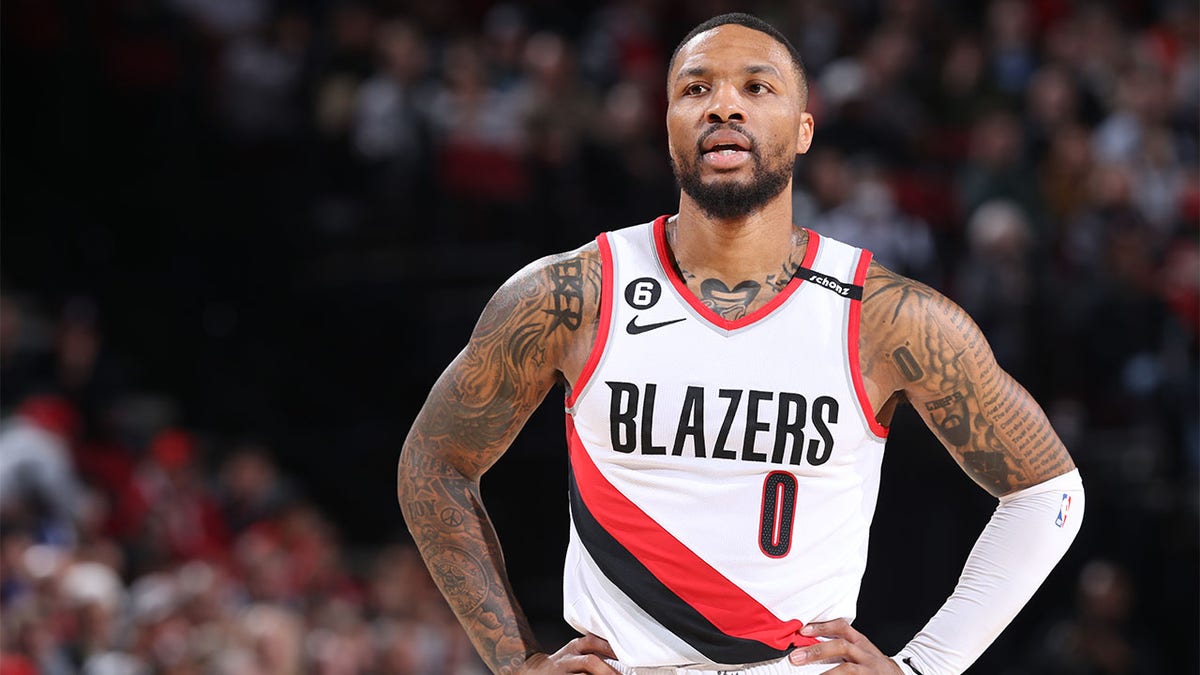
x=179, y=517
x=997, y=167
x=962, y=93
x=1011, y=44
x=38, y=482
x=95, y=600
x=346, y=58
x=1052, y=106
x=25, y=350
x=869, y=218
x=391, y=129
x=481, y=133
x=1063, y=177
x=263, y=80
x=561, y=123
x=251, y=490
x=998, y=286
x=1098, y=637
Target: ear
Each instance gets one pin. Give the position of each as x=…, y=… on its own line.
x=804, y=138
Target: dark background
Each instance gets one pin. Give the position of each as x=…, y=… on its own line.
x=276, y=222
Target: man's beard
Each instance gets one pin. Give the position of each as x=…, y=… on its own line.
x=724, y=199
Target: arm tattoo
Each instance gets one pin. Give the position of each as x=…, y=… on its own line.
x=909, y=368
x=446, y=517
x=472, y=414
x=992, y=426
x=568, y=295
x=950, y=415
x=483, y=399
x=898, y=290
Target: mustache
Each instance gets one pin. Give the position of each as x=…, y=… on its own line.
x=724, y=126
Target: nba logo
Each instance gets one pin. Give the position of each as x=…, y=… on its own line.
x=1062, y=510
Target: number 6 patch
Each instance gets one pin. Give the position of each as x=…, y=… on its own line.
x=643, y=293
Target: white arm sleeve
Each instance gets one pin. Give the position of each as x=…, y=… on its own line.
x=1028, y=533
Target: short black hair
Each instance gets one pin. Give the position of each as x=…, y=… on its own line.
x=753, y=23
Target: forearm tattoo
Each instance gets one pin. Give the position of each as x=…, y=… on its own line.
x=473, y=412
x=455, y=536
x=992, y=426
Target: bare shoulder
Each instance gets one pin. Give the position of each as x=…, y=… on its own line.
x=919, y=343
x=546, y=312
x=894, y=299
x=907, y=327
x=525, y=341
x=895, y=310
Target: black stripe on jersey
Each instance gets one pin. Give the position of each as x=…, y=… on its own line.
x=667, y=608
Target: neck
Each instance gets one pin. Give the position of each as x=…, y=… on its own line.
x=736, y=248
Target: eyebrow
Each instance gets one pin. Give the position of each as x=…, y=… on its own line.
x=763, y=68
x=752, y=69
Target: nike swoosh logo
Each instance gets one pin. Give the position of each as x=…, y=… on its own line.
x=633, y=329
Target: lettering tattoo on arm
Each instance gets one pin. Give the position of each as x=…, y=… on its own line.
x=568, y=295
x=994, y=429
x=473, y=412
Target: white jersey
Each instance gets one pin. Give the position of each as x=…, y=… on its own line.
x=723, y=472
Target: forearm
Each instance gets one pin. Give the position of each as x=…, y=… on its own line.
x=455, y=536
x=1025, y=538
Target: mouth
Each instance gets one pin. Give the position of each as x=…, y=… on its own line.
x=725, y=157
x=725, y=149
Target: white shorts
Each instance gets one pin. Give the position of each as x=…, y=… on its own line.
x=777, y=667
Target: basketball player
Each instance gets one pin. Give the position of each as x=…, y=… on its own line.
x=729, y=379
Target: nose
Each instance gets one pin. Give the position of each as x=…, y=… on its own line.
x=725, y=105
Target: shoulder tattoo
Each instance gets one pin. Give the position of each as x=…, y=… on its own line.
x=943, y=364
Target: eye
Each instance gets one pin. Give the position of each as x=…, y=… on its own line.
x=695, y=89
x=757, y=88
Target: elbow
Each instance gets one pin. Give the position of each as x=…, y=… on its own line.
x=406, y=472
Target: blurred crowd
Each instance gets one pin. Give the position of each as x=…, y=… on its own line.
x=1036, y=160
x=116, y=562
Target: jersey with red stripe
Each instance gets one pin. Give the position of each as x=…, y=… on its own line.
x=724, y=471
